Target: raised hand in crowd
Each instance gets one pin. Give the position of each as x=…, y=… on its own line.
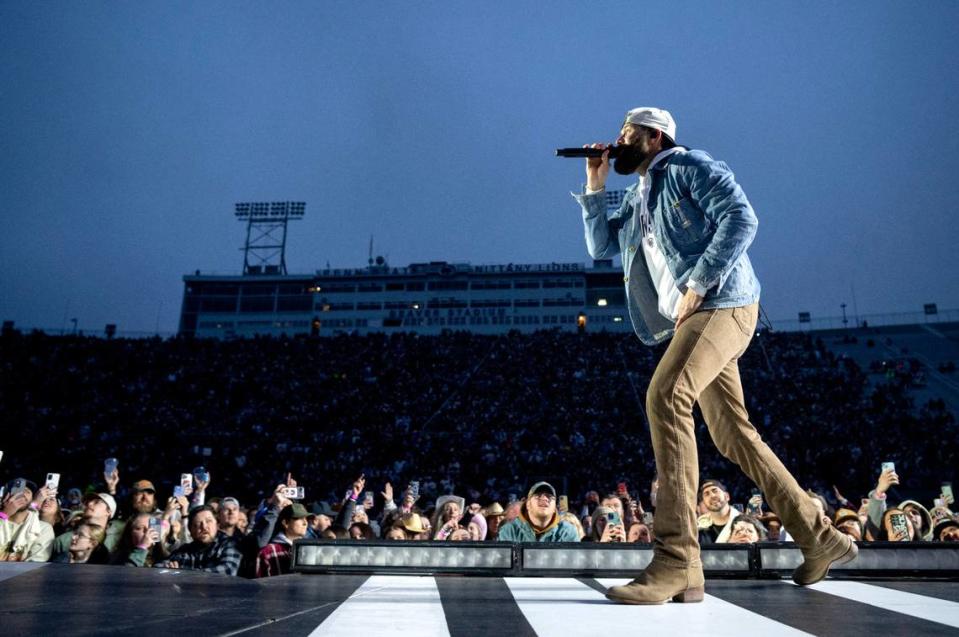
x=947, y=495
x=358, y=485
x=201, y=485
x=278, y=500
x=111, y=480
x=839, y=497
x=887, y=479
x=613, y=533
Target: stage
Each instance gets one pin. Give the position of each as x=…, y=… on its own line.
x=54, y=599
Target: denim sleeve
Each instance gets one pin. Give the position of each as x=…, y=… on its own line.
x=714, y=189
x=602, y=232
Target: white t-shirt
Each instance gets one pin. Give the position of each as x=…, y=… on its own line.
x=663, y=281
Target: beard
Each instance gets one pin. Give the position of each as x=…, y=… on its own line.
x=629, y=160
x=715, y=506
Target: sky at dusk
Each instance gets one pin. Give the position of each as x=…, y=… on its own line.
x=128, y=130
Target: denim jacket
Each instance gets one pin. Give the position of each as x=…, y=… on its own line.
x=703, y=223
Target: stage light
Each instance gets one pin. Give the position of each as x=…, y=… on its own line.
x=873, y=557
x=314, y=556
x=610, y=559
x=601, y=302
x=586, y=559
x=604, y=560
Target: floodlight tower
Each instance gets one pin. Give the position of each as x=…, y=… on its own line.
x=265, y=249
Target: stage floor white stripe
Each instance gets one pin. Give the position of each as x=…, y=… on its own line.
x=389, y=605
x=931, y=608
x=557, y=606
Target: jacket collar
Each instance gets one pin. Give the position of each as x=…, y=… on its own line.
x=538, y=531
x=661, y=160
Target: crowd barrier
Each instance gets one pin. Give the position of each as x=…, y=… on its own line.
x=876, y=559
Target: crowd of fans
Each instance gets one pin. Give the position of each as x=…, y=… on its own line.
x=482, y=417
x=220, y=535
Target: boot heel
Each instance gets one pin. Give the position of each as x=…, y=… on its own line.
x=690, y=595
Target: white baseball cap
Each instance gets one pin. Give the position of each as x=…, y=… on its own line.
x=653, y=117
x=107, y=499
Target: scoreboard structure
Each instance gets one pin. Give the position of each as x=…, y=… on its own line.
x=425, y=298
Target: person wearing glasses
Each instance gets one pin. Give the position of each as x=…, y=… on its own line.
x=84, y=542
x=538, y=520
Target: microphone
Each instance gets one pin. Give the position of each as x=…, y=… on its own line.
x=614, y=152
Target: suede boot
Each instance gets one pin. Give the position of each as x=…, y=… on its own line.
x=660, y=583
x=815, y=567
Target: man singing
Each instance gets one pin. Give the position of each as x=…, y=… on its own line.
x=683, y=230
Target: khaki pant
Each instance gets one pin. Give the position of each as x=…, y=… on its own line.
x=701, y=364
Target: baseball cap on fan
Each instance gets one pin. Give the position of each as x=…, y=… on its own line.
x=652, y=117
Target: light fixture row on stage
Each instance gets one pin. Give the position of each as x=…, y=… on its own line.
x=604, y=560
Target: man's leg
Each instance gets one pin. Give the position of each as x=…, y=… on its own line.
x=725, y=413
x=699, y=351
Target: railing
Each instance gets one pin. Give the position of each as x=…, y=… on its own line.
x=865, y=320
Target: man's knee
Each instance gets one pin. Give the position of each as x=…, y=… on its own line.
x=731, y=436
x=664, y=398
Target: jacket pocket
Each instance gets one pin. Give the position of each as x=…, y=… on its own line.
x=685, y=223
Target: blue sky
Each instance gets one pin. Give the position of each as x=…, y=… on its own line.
x=129, y=130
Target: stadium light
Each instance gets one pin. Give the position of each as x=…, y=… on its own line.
x=265, y=249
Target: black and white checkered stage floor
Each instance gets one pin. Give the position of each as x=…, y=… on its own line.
x=51, y=599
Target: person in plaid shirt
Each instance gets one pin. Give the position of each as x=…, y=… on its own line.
x=275, y=558
x=210, y=550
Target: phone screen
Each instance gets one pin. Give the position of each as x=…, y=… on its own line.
x=898, y=523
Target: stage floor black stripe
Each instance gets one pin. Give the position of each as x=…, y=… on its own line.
x=115, y=600
x=948, y=591
x=301, y=602
x=819, y=613
x=481, y=606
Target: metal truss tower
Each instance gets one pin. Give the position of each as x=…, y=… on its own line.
x=265, y=249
